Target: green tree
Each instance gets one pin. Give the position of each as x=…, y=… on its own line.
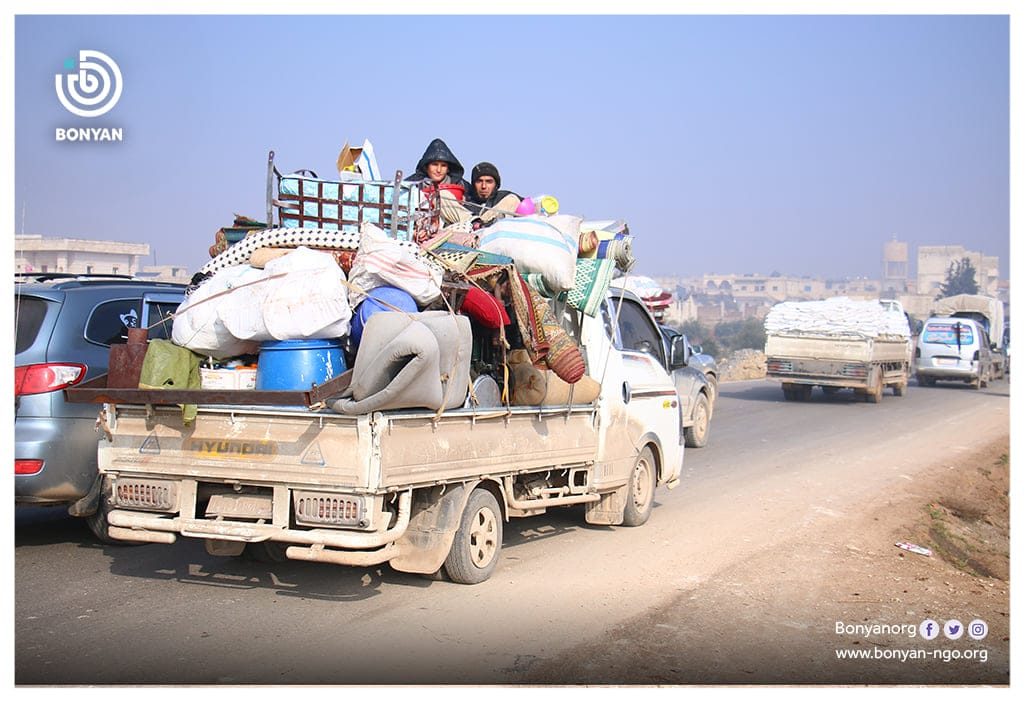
x=740, y=335
x=961, y=278
x=699, y=334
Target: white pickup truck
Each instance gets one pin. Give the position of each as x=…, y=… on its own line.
x=418, y=490
x=835, y=344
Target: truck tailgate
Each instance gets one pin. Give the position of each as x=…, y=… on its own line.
x=835, y=348
x=304, y=448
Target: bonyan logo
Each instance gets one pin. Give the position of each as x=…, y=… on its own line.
x=94, y=89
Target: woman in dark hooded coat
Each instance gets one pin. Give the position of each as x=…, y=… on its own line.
x=441, y=169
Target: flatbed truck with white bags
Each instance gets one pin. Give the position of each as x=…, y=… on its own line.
x=838, y=344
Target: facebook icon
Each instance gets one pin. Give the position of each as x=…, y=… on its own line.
x=929, y=629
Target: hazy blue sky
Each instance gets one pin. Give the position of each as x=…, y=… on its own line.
x=731, y=144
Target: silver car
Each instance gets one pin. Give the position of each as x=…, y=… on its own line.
x=65, y=326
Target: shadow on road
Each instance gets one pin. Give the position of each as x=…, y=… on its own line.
x=769, y=391
x=765, y=391
x=186, y=561
x=43, y=526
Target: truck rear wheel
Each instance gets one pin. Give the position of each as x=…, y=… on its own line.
x=640, y=499
x=875, y=395
x=100, y=528
x=97, y=521
x=474, y=552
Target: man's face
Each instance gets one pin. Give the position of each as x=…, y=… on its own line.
x=484, y=186
x=437, y=171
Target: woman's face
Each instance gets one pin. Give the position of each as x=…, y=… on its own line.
x=437, y=171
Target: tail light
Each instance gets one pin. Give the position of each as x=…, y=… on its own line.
x=49, y=377
x=854, y=370
x=27, y=467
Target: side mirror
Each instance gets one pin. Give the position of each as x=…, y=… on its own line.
x=696, y=349
x=679, y=353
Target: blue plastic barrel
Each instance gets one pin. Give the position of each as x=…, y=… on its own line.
x=399, y=298
x=298, y=364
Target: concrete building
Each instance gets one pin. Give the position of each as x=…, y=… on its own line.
x=895, y=269
x=933, y=263
x=35, y=254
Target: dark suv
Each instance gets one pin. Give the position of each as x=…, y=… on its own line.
x=65, y=326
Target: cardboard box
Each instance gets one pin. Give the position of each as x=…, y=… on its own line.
x=225, y=378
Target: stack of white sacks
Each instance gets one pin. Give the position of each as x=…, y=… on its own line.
x=837, y=317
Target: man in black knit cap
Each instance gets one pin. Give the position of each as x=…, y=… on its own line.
x=485, y=199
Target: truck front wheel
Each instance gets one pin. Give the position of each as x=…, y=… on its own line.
x=474, y=552
x=640, y=499
x=696, y=436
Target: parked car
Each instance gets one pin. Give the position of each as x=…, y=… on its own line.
x=698, y=359
x=637, y=333
x=65, y=325
x=955, y=349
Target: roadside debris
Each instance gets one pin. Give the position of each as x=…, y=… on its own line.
x=914, y=548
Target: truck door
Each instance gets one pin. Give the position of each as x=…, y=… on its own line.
x=651, y=398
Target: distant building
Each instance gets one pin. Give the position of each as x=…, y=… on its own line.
x=711, y=298
x=38, y=254
x=933, y=264
x=895, y=269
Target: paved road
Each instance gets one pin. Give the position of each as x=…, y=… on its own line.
x=86, y=613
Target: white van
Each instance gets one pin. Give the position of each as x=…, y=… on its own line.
x=953, y=349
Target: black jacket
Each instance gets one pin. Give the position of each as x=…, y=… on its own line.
x=471, y=197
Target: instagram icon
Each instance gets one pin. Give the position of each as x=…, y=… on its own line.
x=977, y=629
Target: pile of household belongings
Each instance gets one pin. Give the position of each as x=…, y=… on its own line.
x=464, y=319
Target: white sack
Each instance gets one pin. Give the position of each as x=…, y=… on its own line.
x=545, y=245
x=382, y=261
x=197, y=325
x=310, y=300
x=299, y=295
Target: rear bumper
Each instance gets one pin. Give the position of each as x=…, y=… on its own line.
x=67, y=447
x=963, y=370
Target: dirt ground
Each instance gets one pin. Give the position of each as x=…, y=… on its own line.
x=783, y=618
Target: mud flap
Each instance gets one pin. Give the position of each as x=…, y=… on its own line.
x=609, y=510
x=90, y=503
x=436, y=513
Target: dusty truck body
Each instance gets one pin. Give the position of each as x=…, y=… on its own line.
x=837, y=344
x=988, y=311
x=413, y=488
